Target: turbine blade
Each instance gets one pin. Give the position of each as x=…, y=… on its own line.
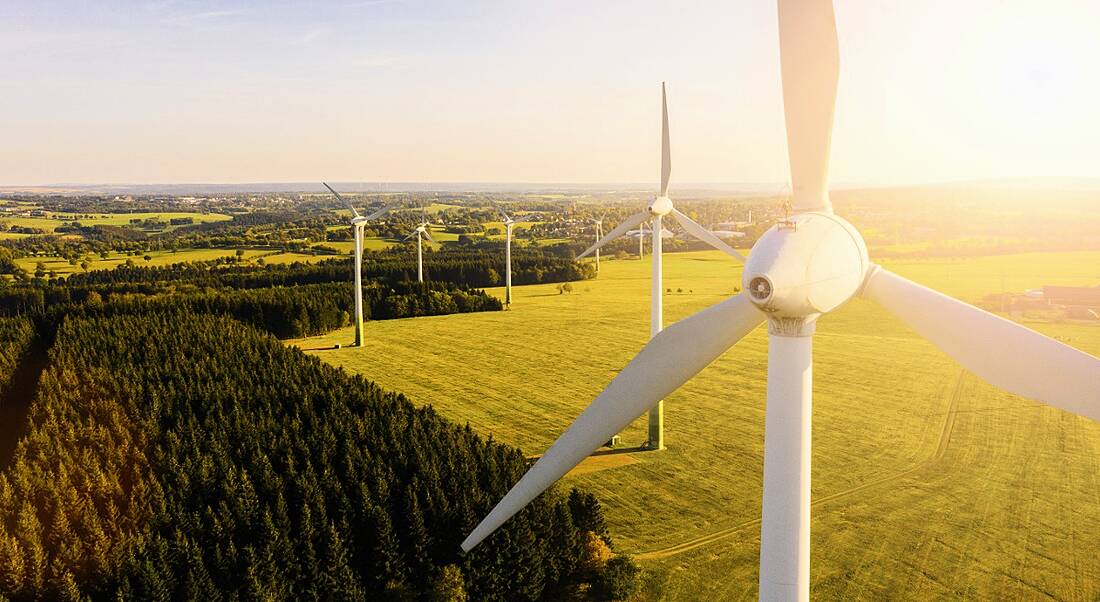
x=1004, y=353
x=428, y=235
x=342, y=199
x=666, y=155
x=698, y=231
x=619, y=230
x=671, y=358
x=503, y=215
x=810, y=63
x=411, y=234
x=379, y=213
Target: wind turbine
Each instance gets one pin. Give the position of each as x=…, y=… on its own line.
x=508, y=224
x=357, y=224
x=598, y=222
x=420, y=232
x=655, y=213
x=805, y=266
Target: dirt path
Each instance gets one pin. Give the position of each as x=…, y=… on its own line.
x=941, y=449
x=15, y=400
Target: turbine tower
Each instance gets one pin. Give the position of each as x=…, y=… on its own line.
x=420, y=232
x=508, y=224
x=599, y=234
x=357, y=224
x=655, y=213
x=803, y=267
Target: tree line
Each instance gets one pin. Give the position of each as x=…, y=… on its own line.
x=286, y=312
x=477, y=268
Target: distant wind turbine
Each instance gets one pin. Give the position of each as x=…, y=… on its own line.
x=598, y=222
x=420, y=232
x=806, y=266
x=657, y=210
x=358, y=222
x=508, y=224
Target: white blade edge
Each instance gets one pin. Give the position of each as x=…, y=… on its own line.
x=378, y=214
x=666, y=155
x=1004, y=353
x=503, y=215
x=342, y=199
x=619, y=230
x=411, y=234
x=428, y=235
x=810, y=64
x=693, y=228
x=671, y=358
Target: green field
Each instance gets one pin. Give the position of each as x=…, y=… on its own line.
x=159, y=258
x=54, y=220
x=928, y=483
x=377, y=244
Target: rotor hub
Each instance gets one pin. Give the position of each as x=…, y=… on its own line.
x=660, y=206
x=805, y=266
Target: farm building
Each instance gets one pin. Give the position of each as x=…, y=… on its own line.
x=1072, y=296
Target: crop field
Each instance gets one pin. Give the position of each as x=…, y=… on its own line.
x=158, y=258
x=375, y=243
x=54, y=220
x=928, y=483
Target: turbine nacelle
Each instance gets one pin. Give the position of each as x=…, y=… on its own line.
x=421, y=229
x=660, y=206
x=805, y=266
x=359, y=221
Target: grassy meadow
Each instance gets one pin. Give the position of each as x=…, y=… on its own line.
x=928, y=483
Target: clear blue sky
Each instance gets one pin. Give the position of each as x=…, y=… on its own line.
x=403, y=90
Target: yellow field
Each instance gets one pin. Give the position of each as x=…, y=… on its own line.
x=928, y=483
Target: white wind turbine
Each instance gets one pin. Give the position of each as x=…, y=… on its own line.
x=598, y=222
x=420, y=232
x=357, y=224
x=509, y=223
x=801, y=268
x=654, y=214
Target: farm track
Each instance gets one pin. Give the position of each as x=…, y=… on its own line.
x=937, y=455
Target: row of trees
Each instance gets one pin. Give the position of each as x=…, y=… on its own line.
x=16, y=335
x=173, y=455
x=285, y=312
x=471, y=268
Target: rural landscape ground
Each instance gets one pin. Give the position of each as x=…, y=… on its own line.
x=927, y=482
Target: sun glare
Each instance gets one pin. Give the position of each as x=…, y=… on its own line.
x=1034, y=72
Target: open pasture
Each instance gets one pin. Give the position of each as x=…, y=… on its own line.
x=928, y=483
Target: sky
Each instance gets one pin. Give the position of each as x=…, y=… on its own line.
x=517, y=91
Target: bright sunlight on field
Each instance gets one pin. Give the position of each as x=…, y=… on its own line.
x=928, y=483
